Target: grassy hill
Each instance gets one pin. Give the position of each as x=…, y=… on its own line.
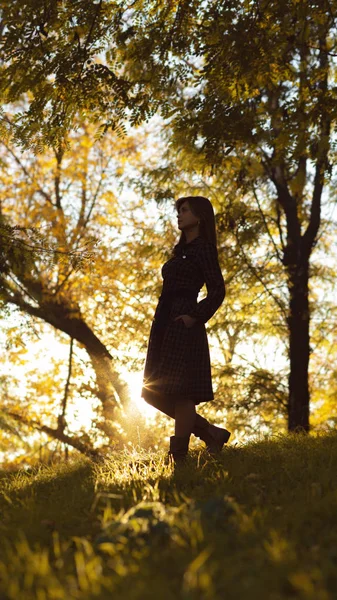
x=259, y=522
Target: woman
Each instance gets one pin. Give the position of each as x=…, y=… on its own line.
x=177, y=374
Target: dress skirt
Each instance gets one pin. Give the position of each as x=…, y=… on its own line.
x=178, y=362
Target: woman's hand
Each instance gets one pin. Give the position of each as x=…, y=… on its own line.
x=188, y=321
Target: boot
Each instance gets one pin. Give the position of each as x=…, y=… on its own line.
x=178, y=448
x=214, y=437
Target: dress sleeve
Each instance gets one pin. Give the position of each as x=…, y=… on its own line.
x=208, y=260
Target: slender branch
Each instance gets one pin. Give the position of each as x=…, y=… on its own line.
x=18, y=284
x=69, y=253
x=83, y=221
x=58, y=435
x=266, y=225
x=57, y=179
x=259, y=278
x=94, y=199
x=87, y=41
x=310, y=234
x=266, y=162
x=18, y=301
x=40, y=190
x=279, y=226
x=99, y=5
x=64, y=280
x=81, y=224
x=61, y=420
x=275, y=169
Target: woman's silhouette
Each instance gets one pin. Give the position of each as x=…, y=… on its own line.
x=177, y=373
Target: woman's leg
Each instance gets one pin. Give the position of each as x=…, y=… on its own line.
x=165, y=406
x=185, y=417
x=162, y=404
x=214, y=439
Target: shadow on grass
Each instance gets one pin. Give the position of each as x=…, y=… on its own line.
x=43, y=499
x=256, y=521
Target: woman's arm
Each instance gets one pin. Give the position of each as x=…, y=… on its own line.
x=209, y=263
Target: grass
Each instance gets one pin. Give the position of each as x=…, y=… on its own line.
x=258, y=522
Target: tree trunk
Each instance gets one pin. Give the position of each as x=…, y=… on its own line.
x=299, y=347
x=113, y=393
x=111, y=390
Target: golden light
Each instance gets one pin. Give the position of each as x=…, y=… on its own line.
x=134, y=381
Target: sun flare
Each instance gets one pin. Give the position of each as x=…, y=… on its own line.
x=134, y=381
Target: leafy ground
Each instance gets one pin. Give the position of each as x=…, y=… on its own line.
x=259, y=522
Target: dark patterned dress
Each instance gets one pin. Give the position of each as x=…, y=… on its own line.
x=178, y=362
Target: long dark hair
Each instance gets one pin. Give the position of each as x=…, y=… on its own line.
x=203, y=210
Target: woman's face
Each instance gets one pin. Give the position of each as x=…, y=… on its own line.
x=186, y=219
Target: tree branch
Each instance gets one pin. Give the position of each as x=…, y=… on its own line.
x=40, y=190
x=59, y=156
x=266, y=225
x=310, y=234
x=279, y=226
x=57, y=434
x=259, y=278
x=61, y=419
